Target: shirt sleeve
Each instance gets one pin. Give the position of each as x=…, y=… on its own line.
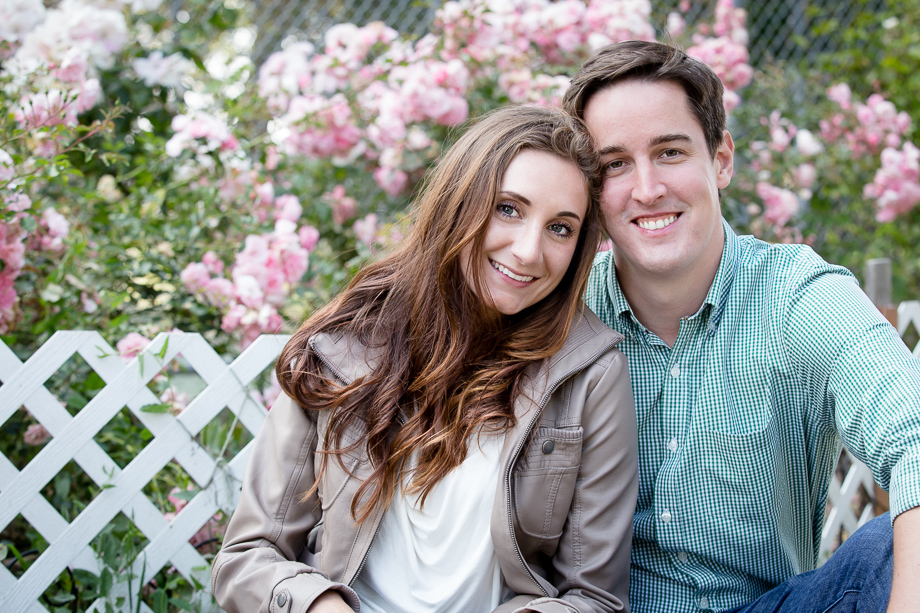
x=836, y=338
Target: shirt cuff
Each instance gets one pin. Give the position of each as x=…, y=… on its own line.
x=904, y=489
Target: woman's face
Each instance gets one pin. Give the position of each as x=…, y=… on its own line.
x=533, y=233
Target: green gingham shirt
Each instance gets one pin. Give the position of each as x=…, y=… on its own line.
x=740, y=422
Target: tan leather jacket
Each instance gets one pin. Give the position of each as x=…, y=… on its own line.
x=562, y=519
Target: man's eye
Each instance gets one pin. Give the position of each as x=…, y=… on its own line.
x=669, y=153
x=615, y=164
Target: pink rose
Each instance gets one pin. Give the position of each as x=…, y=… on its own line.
x=131, y=345
x=36, y=434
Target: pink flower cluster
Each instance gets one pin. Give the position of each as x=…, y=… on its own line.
x=12, y=259
x=780, y=205
x=726, y=52
x=865, y=128
x=352, y=101
x=344, y=207
x=55, y=65
x=15, y=242
x=515, y=34
x=201, y=133
x=131, y=345
x=896, y=187
x=260, y=280
x=784, y=136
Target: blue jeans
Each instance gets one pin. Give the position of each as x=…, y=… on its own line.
x=856, y=579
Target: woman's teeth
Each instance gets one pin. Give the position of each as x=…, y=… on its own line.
x=508, y=273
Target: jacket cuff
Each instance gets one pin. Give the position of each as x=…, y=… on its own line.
x=547, y=605
x=904, y=487
x=296, y=594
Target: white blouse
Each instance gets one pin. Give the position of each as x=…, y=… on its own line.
x=440, y=558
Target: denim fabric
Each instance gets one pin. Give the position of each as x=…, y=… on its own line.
x=856, y=579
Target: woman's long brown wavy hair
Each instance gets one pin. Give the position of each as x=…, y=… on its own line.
x=448, y=365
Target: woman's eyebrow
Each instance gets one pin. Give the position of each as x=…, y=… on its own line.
x=516, y=196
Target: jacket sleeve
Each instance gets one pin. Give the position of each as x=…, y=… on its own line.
x=258, y=567
x=591, y=565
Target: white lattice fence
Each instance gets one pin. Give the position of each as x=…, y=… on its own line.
x=120, y=490
x=174, y=438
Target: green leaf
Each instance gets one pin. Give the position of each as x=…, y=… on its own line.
x=181, y=604
x=160, y=601
x=162, y=407
x=28, y=223
x=186, y=494
x=162, y=352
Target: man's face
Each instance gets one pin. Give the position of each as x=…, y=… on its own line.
x=661, y=186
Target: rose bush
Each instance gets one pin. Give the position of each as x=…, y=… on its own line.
x=153, y=179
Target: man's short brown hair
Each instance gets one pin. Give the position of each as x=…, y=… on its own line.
x=652, y=61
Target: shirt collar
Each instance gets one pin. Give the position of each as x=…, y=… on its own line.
x=716, y=298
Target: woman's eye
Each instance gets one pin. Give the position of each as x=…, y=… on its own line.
x=506, y=210
x=561, y=229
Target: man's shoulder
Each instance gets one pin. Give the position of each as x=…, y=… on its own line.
x=783, y=263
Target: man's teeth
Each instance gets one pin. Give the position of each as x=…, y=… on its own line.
x=507, y=272
x=658, y=223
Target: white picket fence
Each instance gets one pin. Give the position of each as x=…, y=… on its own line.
x=23, y=384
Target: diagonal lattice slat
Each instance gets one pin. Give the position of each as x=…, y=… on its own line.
x=173, y=438
x=840, y=496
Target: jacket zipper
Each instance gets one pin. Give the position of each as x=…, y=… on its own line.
x=546, y=396
x=341, y=378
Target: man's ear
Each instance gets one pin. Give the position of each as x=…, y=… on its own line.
x=725, y=161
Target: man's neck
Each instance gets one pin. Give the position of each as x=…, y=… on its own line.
x=660, y=303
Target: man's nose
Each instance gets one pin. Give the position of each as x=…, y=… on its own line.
x=647, y=187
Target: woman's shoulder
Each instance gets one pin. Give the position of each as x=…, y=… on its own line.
x=588, y=341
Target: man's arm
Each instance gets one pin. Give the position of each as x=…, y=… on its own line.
x=905, y=584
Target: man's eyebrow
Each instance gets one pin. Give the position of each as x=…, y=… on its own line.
x=611, y=149
x=655, y=141
x=669, y=138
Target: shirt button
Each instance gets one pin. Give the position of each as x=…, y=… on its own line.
x=682, y=556
x=282, y=599
x=672, y=444
x=675, y=372
x=666, y=516
x=704, y=603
